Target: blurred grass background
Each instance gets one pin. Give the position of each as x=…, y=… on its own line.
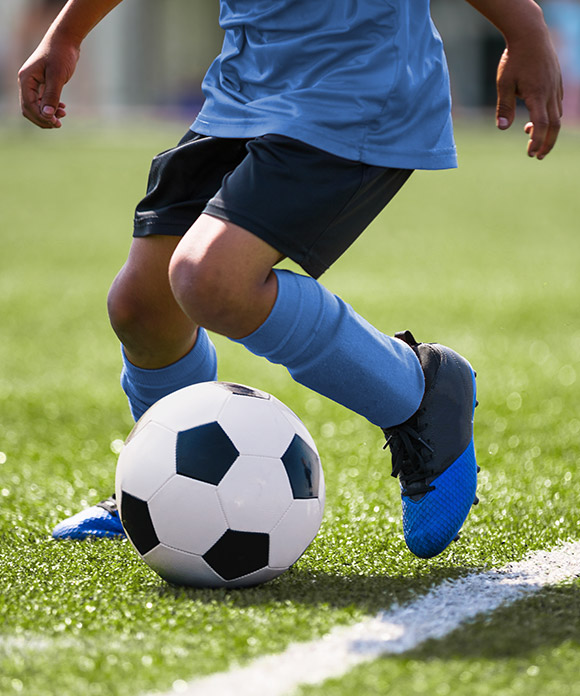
x=485, y=259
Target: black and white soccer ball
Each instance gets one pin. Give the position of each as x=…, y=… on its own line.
x=220, y=485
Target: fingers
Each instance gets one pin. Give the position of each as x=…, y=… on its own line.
x=506, y=95
x=50, y=103
x=542, y=97
x=543, y=127
x=40, y=89
x=51, y=118
x=44, y=117
x=505, y=111
x=53, y=115
x=31, y=88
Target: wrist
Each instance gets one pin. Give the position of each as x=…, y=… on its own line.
x=524, y=25
x=517, y=20
x=64, y=34
x=77, y=19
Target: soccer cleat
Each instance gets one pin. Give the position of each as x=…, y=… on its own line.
x=100, y=521
x=433, y=452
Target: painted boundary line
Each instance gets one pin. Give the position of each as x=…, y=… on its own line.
x=433, y=615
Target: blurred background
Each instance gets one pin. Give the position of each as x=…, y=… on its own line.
x=148, y=57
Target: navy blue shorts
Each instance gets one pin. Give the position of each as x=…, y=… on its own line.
x=306, y=203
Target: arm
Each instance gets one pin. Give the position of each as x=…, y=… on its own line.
x=528, y=69
x=53, y=63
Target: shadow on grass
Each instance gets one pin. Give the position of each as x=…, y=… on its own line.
x=547, y=619
x=369, y=594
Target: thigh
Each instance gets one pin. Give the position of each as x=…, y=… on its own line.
x=233, y=255
x=307, y=204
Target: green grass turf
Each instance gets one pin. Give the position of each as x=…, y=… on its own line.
x=527, y=649
x=485, y=259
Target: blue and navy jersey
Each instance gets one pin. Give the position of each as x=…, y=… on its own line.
x=362, y=79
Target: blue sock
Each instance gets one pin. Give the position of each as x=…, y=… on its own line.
x=326, y=346
x=144, y=387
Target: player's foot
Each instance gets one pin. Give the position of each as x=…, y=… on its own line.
x=433, y=452
x=99, y=521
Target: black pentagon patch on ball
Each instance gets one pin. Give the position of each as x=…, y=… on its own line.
x=236, y=554
x=204, y=453
x=301, y=464
x=137, y=523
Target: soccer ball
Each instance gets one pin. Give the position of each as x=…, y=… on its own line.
x=220, y=485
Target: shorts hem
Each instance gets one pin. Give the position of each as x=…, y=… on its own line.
x=149, y=228
x=312, y=266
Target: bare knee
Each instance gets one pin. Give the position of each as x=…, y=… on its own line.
x=221, y=276
x=127, y=311
x=224, y=298
x=205, y=294
x=149, y=323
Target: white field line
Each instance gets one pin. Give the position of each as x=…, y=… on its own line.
x=433, y=615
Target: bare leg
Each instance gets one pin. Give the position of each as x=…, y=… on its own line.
x=221, y=276
x=143, y=311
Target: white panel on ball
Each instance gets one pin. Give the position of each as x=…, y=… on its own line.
x=187, y=514
x=297, y=425
x=322, y=491
x=182, y=568
x=202, y=403
x=256, y=426
x=147, y=461
x=294, y=532
x=255, y=493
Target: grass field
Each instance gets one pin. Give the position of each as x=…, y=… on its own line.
x=485, y=258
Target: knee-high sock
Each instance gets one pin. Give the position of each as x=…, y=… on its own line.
x=144, y=387
x=328, y=347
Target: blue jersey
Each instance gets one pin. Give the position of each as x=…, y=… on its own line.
x=362, y=79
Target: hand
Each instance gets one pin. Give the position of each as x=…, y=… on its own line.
x=41, y=80
x=529, y=70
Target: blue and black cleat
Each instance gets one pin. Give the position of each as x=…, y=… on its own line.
x=101, y=521
x=433, y=451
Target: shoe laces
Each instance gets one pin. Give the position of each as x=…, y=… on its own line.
x=411, y=455
x=110, y=505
